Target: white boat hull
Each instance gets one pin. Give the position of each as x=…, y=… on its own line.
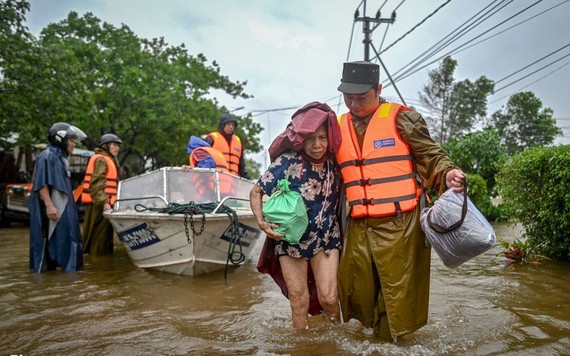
x=169, y=243
x=159, y=241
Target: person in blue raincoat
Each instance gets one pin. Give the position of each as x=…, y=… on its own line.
x=55, y=235
x=201, y=155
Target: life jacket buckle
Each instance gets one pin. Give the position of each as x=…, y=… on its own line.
x=367, y=202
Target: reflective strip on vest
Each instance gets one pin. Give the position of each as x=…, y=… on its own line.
x=111, y=175
x=231, y=152
x=217, y=156
x=384, y=183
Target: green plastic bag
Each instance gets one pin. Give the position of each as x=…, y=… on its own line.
x=287, y=209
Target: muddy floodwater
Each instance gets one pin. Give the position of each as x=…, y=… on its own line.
x=111, y=307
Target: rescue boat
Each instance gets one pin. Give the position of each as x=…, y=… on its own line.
x=186, y=222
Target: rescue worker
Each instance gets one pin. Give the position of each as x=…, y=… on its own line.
x=225, y=141
x=100, y=192
x=386, y=155
x=55, y=235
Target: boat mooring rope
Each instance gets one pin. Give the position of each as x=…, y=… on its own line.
x=189, y=210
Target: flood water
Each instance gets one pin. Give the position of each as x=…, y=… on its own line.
x=110, y=307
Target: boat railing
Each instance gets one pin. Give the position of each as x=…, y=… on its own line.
x=223, y=202
x=160, y=197
x=142, y=207
x=172, y=186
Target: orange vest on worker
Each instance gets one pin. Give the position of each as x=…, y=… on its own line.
x=217, y=156
x=225, y=181
x=380, y=179
x=112, y=179
x=232, y=152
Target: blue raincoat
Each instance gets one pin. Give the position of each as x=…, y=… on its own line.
x=196, y=142
x=64, y=246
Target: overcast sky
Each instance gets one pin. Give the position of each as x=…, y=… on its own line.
x=291, y=52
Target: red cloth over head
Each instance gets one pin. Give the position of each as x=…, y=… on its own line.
x=304, y=122
x=200, y=155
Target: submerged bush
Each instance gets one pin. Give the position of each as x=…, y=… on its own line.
x=535, y=188
x=480, y=196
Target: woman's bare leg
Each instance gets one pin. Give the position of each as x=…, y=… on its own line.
x=295, y=275
x=325, y=269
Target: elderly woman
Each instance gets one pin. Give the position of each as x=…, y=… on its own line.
x=306, y=272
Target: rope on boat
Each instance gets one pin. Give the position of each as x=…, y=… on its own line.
x=189, y=210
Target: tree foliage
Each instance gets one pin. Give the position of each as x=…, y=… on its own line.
x=534, y=187
x=16, y=43
x=104, y=79
x=455, y=106
x=479, y=153
x=525, y=124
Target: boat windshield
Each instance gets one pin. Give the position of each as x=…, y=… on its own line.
x=167, y=185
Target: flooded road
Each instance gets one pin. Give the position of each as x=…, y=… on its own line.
x=111, y=307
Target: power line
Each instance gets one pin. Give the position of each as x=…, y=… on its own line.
x=475, y=21
x=509, y=28
x=455, y=49
x=534, y=82
x=541, y=68
x=533, y=63
x=411, y=66
x=416, y=26
x=400, y=4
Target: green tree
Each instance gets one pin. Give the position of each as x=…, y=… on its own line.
x=16, y=47
x=455, y=106
x=253, y=168
x=525, y=124
x=104, y=78
x=479, y=153
x=534, y=187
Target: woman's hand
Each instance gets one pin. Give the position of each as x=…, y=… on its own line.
x=268, y=227
x=255, y=201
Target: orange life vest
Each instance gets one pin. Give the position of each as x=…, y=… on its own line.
x=380, y=178
x=225, y=181
x=217, y=156
x=231, y=152
x=112, y=179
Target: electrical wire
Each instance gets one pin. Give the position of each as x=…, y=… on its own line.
x=413, y=28
x=508, y=28
x=533, y=63
x=429, y=52
x=492, y=28
x=536, y=71
x=526, y=86
x=476, y=20
x=400, y=4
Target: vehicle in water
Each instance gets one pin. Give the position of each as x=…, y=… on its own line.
x=186, y=222
x=17, y=186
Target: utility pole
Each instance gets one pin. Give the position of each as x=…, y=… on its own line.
x=377, y=20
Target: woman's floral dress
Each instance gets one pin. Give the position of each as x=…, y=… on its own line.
x=320, y=192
